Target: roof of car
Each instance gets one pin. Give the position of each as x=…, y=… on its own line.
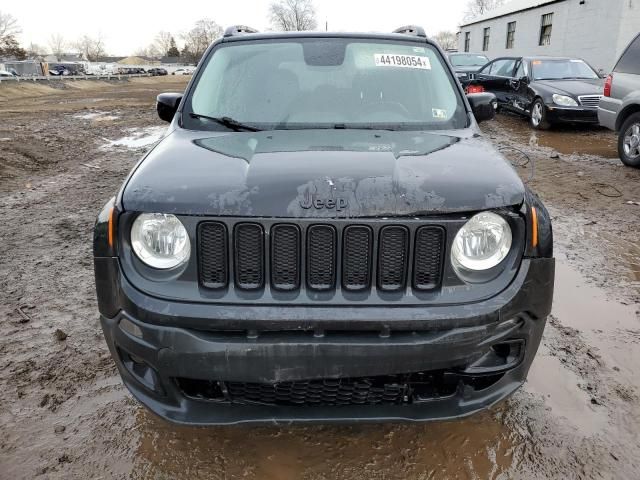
x=311, y=34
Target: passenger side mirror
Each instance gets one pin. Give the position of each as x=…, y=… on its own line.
x=167, y=105
x=483, y=106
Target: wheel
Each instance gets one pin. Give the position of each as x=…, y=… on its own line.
x=629, y=141
x=538, y=118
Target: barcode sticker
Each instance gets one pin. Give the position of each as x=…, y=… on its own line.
x=402, y=61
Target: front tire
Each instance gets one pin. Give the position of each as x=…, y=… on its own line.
x=629, y=141
x=538, y=116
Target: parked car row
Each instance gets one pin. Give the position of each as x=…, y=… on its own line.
x=554, y=90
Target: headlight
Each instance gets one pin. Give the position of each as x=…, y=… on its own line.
x=160, y=240
x=564, y=101
x=482, y=243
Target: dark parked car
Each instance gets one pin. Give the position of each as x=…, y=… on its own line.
x=467, y=64
x=620, y=106
x=157, y=71
x=323, y=235
x=547, y=90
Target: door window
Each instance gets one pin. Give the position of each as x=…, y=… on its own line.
x=503, y=67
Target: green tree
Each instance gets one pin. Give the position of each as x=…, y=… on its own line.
x=173, y=49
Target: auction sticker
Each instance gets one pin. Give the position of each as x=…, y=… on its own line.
x=402, y=61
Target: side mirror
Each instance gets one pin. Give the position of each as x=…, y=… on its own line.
x=483, y=106
x=524, y=80
x=167, y=105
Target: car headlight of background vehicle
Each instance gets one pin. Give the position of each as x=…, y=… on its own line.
x=160, y=240
x=482, y=243
x=564, y=100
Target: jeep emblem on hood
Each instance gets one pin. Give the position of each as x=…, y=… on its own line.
x=313, y=201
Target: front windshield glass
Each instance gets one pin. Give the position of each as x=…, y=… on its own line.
x=325, y=83
x=468, y=60
x=562, y=70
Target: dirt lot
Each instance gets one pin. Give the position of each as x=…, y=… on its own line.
x=65, y=414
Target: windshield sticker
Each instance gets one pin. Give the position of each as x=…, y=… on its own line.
x=418, y=49
x=402, y=61
x=439, y=113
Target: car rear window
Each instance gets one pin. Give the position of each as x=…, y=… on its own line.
x=294, y=83
x=630, y=60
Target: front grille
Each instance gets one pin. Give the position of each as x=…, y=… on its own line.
x=285, y=257
x=393, y=258
x=590, y=101
x=212, y=239
x=249, y=256
x=376, y=390
x=356, y=266
x=320, y=257
x=428, y=254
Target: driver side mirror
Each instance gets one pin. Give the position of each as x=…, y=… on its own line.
x=167, y=105
x=524, y=80
x=483, y=106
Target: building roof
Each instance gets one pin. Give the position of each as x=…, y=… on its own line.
x=508, y=8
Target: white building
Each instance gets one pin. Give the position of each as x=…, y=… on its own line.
x=594, y=30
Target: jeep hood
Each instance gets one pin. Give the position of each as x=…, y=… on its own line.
x=321, y=173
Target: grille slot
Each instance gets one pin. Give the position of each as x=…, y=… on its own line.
x=392, y=258
x=321, y=257
x=249, y=256
x=285, y=257
x=212, y=258
x=590, y=101
x=356, y=257
x=427, y=266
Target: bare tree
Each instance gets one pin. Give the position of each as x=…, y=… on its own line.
x=198, y=39
x=476, y=8
x=8, y=26
x=162, y=43
x=446, y=40
x=293, y=15
x=91, y=47
x=57, y=44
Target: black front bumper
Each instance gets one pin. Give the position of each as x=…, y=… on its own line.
x=160, y=346
x=557, y=114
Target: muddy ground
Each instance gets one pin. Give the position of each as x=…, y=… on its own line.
x=65, y=414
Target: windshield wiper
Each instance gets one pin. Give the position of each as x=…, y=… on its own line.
x=227, y=122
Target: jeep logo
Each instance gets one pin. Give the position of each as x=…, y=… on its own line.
x=313, y=201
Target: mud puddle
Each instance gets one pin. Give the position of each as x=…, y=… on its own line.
x=565, y=139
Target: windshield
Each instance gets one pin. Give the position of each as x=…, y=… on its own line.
x=325, y=83
x=468, y=60
x=562, y=70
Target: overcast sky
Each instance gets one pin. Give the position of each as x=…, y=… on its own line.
x=128, y=25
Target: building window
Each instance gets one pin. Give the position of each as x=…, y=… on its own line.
x=511, y=34
x=545, y=29
x=485, y=39
x=467, y=41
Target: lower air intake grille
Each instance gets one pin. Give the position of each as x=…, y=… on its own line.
x=375, y=390
x=212, y=239
x=285, y=257
x=392, y=261
x=321, y=257
x=427, y=265
x=249, y=254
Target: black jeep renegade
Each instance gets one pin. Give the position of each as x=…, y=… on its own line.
x=323, y=235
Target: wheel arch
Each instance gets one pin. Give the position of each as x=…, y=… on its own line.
x=625, y=113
